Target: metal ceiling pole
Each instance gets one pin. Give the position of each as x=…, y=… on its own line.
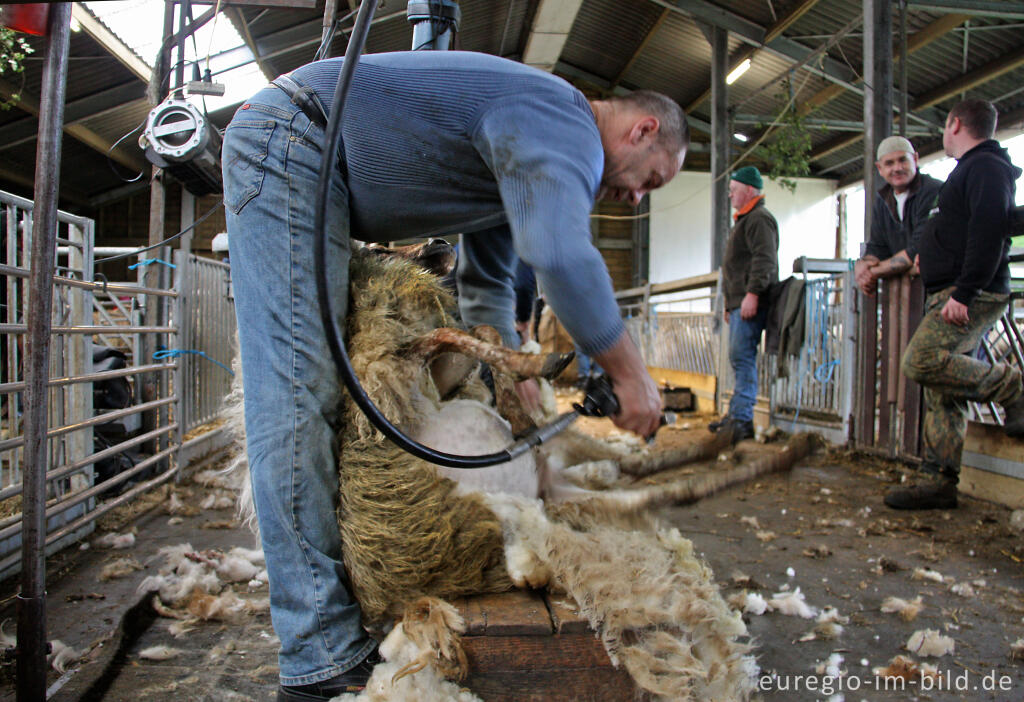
x=904, y=85
x=330, y=13
x=148, y=387
x=878, y=107
x=31, y=667
x=877, y=125
x=434, y=23
x=720, y=139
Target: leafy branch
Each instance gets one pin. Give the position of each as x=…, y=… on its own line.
x=13, y=50
x=788, y=154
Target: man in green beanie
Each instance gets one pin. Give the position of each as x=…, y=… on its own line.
x=750, y=266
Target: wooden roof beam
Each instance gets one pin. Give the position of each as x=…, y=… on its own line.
x=110, y=42
x=746, y=52
x=237, y=20
x=971, y=79
x=643, y=45
x=30, y=104
x=924, y=36
x=549, y=32
x=983, y=8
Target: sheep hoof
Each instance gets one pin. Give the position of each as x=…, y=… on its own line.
x=555, y=363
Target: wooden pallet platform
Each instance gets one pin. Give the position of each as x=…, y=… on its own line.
x=527, y=646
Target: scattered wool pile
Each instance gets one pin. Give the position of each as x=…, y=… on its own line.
x=907, y=669
x=793, y=604
x=928, y=642
x=60, y=657
x=115, y=541
x=927, y=574
x=907, y=609
x=159, y=653
x=429, y=625
x=119, y=568
x=195, y=585
x=409, y=531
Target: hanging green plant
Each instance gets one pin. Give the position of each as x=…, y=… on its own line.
x=789, y=148
x=13, y=50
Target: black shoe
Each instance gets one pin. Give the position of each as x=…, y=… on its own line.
x=352, y=680
x=1014, y=424
x=938, y=493
x=715, y=427
x=741, y=429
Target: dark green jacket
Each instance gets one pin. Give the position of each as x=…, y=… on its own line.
x=751, y=262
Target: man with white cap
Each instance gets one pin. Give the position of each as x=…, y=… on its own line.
x=900, y=210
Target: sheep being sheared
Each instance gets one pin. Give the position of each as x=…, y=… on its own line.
x=412, y=530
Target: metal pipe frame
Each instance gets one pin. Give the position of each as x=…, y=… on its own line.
x=88, y=461
x=106, y=507
x=6, y=388
x=31, y=660
x=101, y=419
x=16, y=272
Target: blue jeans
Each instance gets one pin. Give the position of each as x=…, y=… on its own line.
x=271, y=160
x=744, y=336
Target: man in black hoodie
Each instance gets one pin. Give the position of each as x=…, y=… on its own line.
x=963, y=255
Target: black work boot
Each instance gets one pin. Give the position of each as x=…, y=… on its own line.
x=1014, y=424
x=352, y=680
x=715, y=427
x=741, y=428
x=934, y=490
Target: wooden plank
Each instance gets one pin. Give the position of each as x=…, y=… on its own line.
x=544, y=669
x=984, y=485
x=515, y=613
x=600, y=685
x=565, y=617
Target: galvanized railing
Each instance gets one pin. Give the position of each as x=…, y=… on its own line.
x=88, y=314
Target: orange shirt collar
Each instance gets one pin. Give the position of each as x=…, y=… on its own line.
x=748, y=207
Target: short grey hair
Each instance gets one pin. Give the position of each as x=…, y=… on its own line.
x=673, y=132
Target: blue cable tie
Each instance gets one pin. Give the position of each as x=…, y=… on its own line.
x=174, y=353
x=149, y=261
x=826, y=369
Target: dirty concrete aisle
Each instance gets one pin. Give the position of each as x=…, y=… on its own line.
x=820, y=528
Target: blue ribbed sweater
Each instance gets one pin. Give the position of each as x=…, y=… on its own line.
x=449, y=142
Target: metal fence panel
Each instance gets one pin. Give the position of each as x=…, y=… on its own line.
x=87, y=315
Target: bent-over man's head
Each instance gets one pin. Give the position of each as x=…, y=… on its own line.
x=745, y=185
x=645, y=137
x=897, y=162
x=969, y=123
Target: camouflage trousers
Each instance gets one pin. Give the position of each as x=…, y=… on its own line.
x=940, y=357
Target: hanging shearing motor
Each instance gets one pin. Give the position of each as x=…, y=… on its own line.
x=434, y=23
x=179, y=139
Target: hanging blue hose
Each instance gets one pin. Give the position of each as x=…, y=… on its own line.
x=148, y=261
x=174, y=353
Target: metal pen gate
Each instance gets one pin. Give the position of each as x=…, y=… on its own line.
x=90, y=313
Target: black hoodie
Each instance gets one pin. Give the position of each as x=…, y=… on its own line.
x=966, y=242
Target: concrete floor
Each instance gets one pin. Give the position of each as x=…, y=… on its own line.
x=830, y=528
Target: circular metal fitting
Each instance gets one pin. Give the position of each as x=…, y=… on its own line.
x=176, y=130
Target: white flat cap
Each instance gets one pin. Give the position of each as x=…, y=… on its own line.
x=894, y=143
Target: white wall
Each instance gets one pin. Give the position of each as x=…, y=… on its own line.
x=680, y=224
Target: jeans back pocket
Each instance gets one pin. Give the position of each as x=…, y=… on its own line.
x=245, y=149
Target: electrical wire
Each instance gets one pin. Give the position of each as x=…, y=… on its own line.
x=165, y=241
x=332, y=329
x=110, y=161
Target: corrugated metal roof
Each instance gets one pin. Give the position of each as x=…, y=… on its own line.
x=607, y=33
